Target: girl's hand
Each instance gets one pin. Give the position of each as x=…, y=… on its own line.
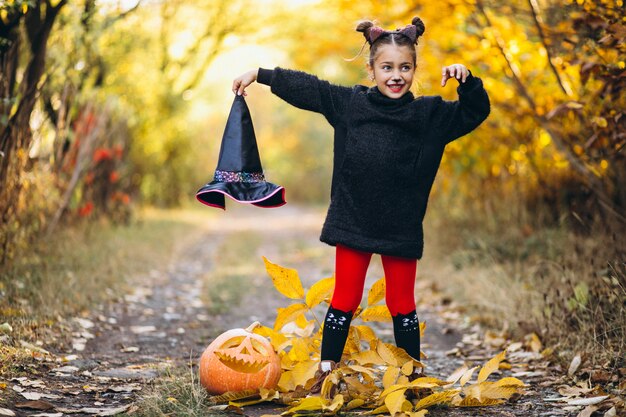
x=240, y=83
x=459, y=71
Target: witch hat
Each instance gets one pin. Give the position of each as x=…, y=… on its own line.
x=239, y=174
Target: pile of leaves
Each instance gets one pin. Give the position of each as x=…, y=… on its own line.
x=373, y=376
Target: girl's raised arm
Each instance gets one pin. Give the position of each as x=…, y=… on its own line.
x=454, y=119
x=308, y=92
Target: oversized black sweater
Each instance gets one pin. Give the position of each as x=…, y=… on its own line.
x=386, y=155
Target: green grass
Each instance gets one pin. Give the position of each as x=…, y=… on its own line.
x=77, y=268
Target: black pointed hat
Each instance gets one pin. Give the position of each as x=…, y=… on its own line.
x=239, y=174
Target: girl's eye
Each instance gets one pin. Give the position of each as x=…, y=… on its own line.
x=406, y=68
x=386, y=67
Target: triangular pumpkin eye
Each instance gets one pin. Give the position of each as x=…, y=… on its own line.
x=258, y=346
x=232, y=342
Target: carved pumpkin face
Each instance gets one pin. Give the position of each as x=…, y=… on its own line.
x=239, y=360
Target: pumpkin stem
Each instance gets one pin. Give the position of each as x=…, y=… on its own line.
x=253, y=326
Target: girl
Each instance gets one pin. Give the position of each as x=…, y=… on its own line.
x=387, y=149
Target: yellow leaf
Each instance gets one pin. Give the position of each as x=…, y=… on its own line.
x=403, y=357
x=309, y=404
x=335, y=405
x=362, y=369
x=300, y=350
x=376, y=292
x=490, y=366
x=422, y=328
x=356, y=403
x=509, y=382
x=407, y=368
x=353, y=343
x=277, y=339
x=467, y=375
x=439, y=398
x=4, y=15
x=473, y=402
x=395, y=400
x=286, y=280
x=368, y=357
x=390, y=376
x=376, y=313
x=286, y=382
x=427, y=382
x=366, y=334
x=383, y=349
x=380, y=410
x=457, y=374
x=331, y=380
x=320, y=291
x=304, y=371
x=393, y=388
x=289, y=314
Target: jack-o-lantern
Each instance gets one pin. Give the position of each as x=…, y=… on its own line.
x=239, y=360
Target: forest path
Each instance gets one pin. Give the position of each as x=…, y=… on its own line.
x=218, y=282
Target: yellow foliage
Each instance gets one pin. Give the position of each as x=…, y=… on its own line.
x=376, y=313
x=286, y=280
x=376, y=292
x=320, y=291
x=490, y=367
x=376, y=378
x=289, y=314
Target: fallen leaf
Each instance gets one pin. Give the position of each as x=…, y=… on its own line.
x=125, y=388
x=129, y=349
x=573, y=366
x=611, y=413
x=142, y=329
x=587, y=401
x=36, y=405
x=66, y=369
x=6, y=412
x=31, y=395
x=588, y=411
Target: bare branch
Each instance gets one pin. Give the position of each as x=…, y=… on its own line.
x=534, y=8
x=113, y=20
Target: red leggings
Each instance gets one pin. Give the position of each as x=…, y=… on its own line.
x=350, y=269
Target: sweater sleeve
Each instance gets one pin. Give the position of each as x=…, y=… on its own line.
x=307, y=92
x=454, y=119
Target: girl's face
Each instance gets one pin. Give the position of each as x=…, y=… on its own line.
x=393, y=70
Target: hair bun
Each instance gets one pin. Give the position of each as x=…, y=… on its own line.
x=419, y=24
x=365, y=26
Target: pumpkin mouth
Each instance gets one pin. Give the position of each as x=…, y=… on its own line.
x=243, y=365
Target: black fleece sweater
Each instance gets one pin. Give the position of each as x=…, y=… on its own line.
x=386, y=155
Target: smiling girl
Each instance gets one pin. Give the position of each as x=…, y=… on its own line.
x=387, y=148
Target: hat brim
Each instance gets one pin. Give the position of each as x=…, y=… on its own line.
x=261, y=194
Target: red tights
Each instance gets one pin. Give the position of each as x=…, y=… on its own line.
x=350, y=269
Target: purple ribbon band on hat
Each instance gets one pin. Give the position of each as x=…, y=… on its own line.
x=230, y=176
x=410, y=31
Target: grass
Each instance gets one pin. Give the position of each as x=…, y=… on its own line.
x=568, y=288
x=178, y=392
x=231, y=275
x=81, y=267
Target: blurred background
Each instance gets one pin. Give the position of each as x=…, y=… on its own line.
x=114, y=106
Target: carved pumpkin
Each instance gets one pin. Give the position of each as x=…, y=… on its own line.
x=239, y=360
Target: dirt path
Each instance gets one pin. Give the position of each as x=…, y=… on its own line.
x=219, y=282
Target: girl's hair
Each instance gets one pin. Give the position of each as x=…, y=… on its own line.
x=390, y=38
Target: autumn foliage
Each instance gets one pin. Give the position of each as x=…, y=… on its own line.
x=373, y=374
